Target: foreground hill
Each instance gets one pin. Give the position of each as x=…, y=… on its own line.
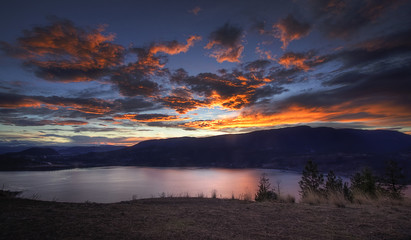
x=197, y=218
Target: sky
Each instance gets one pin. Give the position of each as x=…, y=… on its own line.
x=121, y=72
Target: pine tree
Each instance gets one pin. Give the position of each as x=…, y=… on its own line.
x=264, y=192
x=311, y=180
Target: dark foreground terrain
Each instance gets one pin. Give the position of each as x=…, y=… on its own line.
x=200, y=218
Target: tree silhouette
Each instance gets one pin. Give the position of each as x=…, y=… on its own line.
x=393, y=180
x=311, y=180
x=333, y=184
x=364, y=182
x=264, y=192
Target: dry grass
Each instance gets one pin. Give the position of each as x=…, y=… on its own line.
x=200, y=218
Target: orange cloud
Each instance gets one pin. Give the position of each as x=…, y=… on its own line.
x=173, y=48
x=290, y=59
x=303, y=61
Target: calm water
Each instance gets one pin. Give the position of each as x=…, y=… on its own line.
x=114, y=184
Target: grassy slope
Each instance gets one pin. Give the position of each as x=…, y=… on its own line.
x=196, y=218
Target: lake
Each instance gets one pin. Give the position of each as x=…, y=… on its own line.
x=114, y=184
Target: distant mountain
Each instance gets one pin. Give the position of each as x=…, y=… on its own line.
x=289, y=148
x=46, y=158
x=38, y=151
x=86, y=149
x=342, y=150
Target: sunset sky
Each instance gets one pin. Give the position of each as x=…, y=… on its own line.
x=120, y=72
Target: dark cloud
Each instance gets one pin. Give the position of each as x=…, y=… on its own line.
x=94, y=129
x=64, y=52
x=134, y=84
x=26, y=121
x=181, y=104
x=48, y=110
x=225, y=43
x=289, y=29
x=341, y=18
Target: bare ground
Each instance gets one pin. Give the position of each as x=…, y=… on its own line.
x=200, y=218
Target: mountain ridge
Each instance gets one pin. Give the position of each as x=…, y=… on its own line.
x=285, y=148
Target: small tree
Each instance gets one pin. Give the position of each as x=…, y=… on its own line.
x=264, y=192
x=393, y=180
x=311, y=180
x=333, y=184
x=364, y=182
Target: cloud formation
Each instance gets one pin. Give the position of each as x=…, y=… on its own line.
x=289, y=29
x=67, y=53
x=304, y=61
x=370, y=87
x=225, y=44
x=50, y=110
x=174, y=47
x=145, y=118
x=342, y=19
x=229, y=90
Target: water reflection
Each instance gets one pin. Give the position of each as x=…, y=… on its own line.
x=114, y=184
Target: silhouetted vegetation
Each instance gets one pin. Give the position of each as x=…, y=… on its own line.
x=311, y=180
x=364, y=182
x=393, y=181
x=264, y=192
x=364, y=185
